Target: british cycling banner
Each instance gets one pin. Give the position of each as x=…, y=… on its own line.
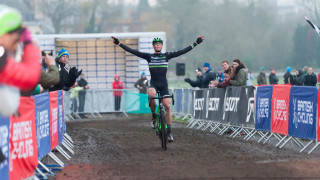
x=43, y=124
x=249, y=106
x=178, y=99
x=214, y=104
x=280, y=109
x=263, y=108
x=198, y=104
x=318, y=121
x=23, y=140
x=4, y=147
x=60, y=116
x=54, y=118
x=302, y=110
x=234, y=111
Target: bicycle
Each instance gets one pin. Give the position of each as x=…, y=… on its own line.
x=161, y=124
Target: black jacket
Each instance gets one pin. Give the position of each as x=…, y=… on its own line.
x=66, y=80
x=142, y=83
x=273, y=79
x=207, y=77
x=82, y=83
x=310, y=80
x=197, y=83
x=288, y=78
x=298, y=80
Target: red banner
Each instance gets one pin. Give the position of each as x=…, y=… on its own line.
x=54, y=119
x=23, y=141
x=280, y=109
x=318, y=116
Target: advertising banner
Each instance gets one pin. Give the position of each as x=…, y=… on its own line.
x=250, y=109
x=4, y=147
x=280, y=109
x=215, y=104
x=178, y=99
x=43, y=124
x=23, y=140
x=198, y=104
x=235, y=105
x=263, y=108
x=302, y=110
x=60, y=116
x=53, y=96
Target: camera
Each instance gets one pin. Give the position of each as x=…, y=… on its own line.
x=45, y=52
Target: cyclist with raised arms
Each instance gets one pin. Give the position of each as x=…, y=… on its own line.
x=158, y=64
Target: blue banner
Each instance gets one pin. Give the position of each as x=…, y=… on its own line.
x=43, y=124
x=60, y=116
x=178, y=99
x=263, y=108
x=4, y=145
x=302, y=112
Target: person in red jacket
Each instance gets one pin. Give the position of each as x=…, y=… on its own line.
x=25, y=74
x=319, y=79
x=117, y=84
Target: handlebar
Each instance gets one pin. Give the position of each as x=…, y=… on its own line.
x=162, y=97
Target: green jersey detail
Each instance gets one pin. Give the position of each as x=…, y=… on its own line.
x=155, y=66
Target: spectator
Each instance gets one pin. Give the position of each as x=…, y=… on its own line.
x=219, y=75
x=15, y=75
x=82, y=94
x=262, y=79
x=208, y=75
x=273, y=79
x=67, y=77
x=74, y=92
x=250, y=78
x=310, y=79
x=227, y=70
x=288, y=78
x=48, y=78
x=142, y=84
x=240, y=74
x=298, y=79
x=198, y=82
x=117, y=84
x=319, y=79
x=304, y=71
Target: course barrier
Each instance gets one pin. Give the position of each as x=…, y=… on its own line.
x=276, y=114
x=33, y=133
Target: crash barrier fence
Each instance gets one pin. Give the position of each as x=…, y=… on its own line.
x=276, y=114
x=29, y=138
x=98, y=101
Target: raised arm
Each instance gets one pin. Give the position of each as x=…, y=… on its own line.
x=187, y=49
x=132, y=51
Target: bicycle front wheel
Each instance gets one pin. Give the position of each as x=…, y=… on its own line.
x=163, y=132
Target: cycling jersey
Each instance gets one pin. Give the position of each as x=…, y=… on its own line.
x=158, y=65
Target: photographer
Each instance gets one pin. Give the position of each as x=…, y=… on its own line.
x=198, y=82
x=67, y=77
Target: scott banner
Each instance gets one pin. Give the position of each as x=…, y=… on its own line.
x=263, y=108
x=43, y=124
x=23, y=140
x=235, y=105
x=4, y=148
x=214, y=104
x=53, y=96
x=198, y=104
x=60, y=116
x=280, y=109
x=250, y=92
x=302, y=110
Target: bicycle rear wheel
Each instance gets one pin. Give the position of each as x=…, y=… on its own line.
x=163, y=133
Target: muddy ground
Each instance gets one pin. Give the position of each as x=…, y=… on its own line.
x=127, y=148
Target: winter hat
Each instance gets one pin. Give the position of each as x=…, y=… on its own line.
x=288, y=69
x=262, y=69
x=206, y=65
x=143, y=73
x=62, y=52
x=219, y=69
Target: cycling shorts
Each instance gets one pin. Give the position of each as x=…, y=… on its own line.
x=161, y=87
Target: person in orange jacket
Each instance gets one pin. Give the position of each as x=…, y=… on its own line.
x=117, y=84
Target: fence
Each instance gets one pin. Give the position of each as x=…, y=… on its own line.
x=32, y=134
x=280, y=112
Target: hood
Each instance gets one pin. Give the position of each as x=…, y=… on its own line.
x=116, y=76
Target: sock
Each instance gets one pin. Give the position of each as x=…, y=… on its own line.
x=169, y=128
x=154, y=116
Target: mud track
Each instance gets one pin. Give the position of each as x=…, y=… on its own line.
x=121, y=148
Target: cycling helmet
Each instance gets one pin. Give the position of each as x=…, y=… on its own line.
x=10, y=19
x=155, y=40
